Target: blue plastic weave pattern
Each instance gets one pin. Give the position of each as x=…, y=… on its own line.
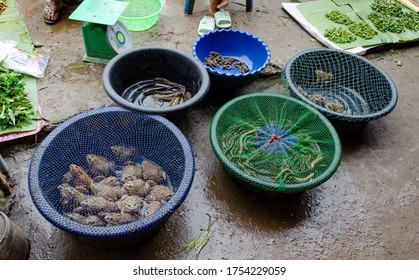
x=154, y=138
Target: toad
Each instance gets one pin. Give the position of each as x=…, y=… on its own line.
x=130, y=204
x=137, y=187
x=160, y=193
x=152, y=207
x=117, y=218
x=96, y=204
x=123, y=153
x=99, y=165
x=153, y=172
x=131, y=172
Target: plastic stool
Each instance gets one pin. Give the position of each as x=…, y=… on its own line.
x=190, y=3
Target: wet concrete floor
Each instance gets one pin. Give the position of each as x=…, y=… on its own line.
x=367, y=210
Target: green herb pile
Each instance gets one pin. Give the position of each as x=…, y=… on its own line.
x=339, y=35
x=15, y=107
x=388, y=16
x=362, y=29
x=339, y=17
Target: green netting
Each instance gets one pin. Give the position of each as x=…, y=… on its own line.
x=342, y=85
x=275, y=143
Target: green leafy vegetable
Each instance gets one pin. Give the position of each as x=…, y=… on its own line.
x=339, y=35
x=338, y=17
x=362, y=29
x=15, y=107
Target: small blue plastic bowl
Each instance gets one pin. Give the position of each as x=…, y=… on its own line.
x=238, y=44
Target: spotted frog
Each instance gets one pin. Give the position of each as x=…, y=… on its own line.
x=117, y=218
x=153, y=172
x=323, y=78
x=130, y=204
x=131, y=172
x=99, y=165
x=160, y=193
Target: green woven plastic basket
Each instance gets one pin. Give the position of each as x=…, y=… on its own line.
x=141, y=15
x=273, y=144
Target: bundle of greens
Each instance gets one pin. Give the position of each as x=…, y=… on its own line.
x=15, y=107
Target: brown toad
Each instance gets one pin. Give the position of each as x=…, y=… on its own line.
x=160, y=193
x=108, y=192
x=117, y=218
x=131, y=172
x=153, y=172
x=152, y=207
x=99, y=165
x=137, y=187
x=79, y=178
x=70, y=196
x=123, y=153
x=96, y=204
x=130, y=204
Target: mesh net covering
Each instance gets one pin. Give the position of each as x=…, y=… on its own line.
x=142, y=8
x=342, y=85
x=275, y=142
x=94, y=132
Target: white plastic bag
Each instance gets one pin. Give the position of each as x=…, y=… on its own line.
x=23, y=62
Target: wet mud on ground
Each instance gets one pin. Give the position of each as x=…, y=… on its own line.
x=367, y=210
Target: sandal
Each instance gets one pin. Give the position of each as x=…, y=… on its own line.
x=207, y=24
x=222, y=19
x=51, y=16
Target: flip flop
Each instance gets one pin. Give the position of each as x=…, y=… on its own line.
x=51, y=16
x=206, y=25
x=222, y=19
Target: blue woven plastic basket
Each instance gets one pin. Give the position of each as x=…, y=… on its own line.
x=94, y=132
x=363, y=89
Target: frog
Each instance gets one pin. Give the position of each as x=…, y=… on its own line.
x=131, y=172
x=153, y=172
x=99, y=165
x=117, y=218
x=137, y=187
x=152, y=207
x=76, y=217
x=130, y=204
x=160, y=193
x=110, y=181
x=80, y=178
x=323, y=78
x=123, y=153
x=70, y=196
x=111, y=193
x=94, y=220
x=96, y=204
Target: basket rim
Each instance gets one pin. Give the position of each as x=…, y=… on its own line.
x=94, y=232
x=335, y=115
x=235, y=75
x=145, y=17
x=269, y=186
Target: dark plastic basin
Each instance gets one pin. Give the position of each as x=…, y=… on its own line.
x=130, y=67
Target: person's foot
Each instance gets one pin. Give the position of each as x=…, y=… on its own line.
x=223, y=4
x=52, y=11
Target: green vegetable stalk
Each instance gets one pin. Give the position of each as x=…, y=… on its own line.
x=15, y=107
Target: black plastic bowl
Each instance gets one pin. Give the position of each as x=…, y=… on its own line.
x=153, y=137
x=130, y=67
